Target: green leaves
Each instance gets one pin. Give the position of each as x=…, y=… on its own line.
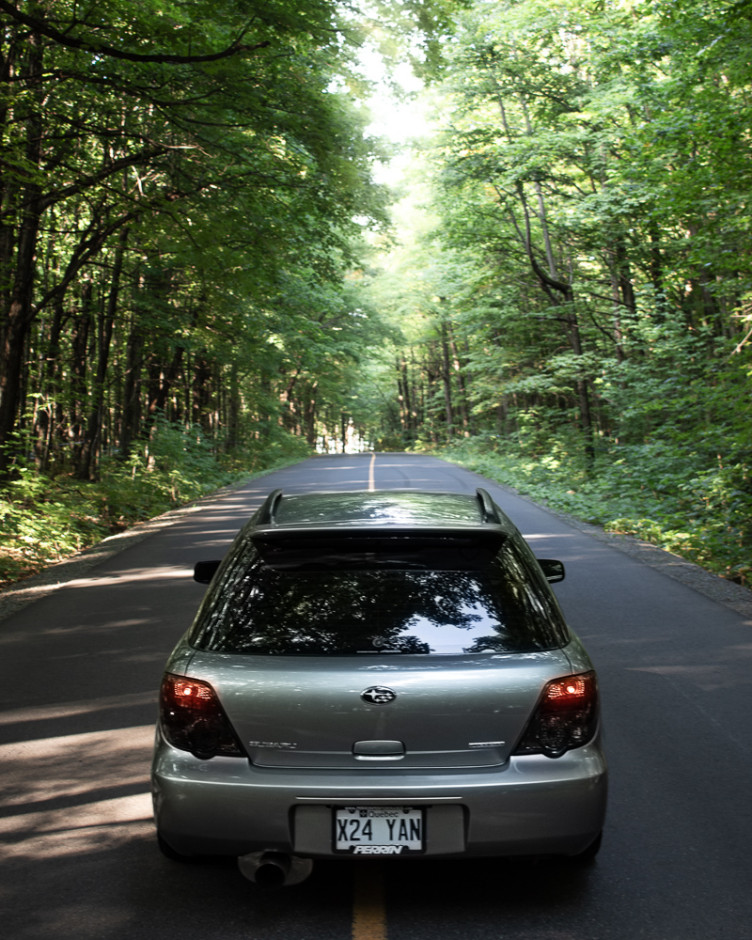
x=181, y=182
x=589, y=251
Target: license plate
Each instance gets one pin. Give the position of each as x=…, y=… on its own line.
x=378, y=830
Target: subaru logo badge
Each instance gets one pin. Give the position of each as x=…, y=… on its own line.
x=378, y=695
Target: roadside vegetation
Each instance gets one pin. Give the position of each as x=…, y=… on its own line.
x=702, y=515
x=45, y=519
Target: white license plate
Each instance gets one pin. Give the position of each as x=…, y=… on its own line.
x=378, y=830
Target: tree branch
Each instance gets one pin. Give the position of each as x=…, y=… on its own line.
x=546, y=280
x=86, y=182
x=163, y=58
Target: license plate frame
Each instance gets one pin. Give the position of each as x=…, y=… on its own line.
x=378, y=830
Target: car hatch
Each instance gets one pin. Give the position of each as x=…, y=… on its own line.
x=402, y=712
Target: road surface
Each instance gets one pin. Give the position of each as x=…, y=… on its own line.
x=80, y=666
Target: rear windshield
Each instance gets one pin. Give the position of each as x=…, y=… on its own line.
x=367, y=604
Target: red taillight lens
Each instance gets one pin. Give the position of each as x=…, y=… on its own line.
x=193, y=720
x=566, y=717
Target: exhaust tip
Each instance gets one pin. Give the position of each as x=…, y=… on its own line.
x=274, y=869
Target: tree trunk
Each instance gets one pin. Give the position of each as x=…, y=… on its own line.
x=446, y=380
x=19, y=315
x=134, y=358
x=88, y=464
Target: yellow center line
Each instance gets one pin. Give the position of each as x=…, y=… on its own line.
x=369, y=914
x=372, y=473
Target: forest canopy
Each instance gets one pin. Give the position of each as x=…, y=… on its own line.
x=180, y=187
x=580, y=307
x=194, y=252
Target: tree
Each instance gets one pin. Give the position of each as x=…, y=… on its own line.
x=587, y=190
x=139, y=173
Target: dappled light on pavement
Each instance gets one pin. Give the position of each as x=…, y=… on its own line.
x=75, y=793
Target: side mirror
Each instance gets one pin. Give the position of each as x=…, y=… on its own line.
x=553, y=570
x=204, y=571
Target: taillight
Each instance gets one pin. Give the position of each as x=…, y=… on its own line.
x=566, y=717
x=192, y=719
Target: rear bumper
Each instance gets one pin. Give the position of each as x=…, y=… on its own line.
x=532, y=806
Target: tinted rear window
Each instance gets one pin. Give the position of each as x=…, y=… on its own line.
x=365, y=603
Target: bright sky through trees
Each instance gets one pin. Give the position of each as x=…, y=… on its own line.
x=398, y=111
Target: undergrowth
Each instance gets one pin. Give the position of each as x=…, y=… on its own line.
x=700, y=510
x=46, y=519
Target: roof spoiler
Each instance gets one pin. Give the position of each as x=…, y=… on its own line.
x=489, y=512
x=269, y=508
x=487, y=506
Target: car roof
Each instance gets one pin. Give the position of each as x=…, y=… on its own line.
x=385, y=510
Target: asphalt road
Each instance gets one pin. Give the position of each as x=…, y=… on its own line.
x=80, y=665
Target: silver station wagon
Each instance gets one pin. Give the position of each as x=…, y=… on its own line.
x=378, y=674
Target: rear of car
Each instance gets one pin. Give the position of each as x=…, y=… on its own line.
x=379, y=674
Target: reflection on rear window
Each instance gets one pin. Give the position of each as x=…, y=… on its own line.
x=378, y=607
